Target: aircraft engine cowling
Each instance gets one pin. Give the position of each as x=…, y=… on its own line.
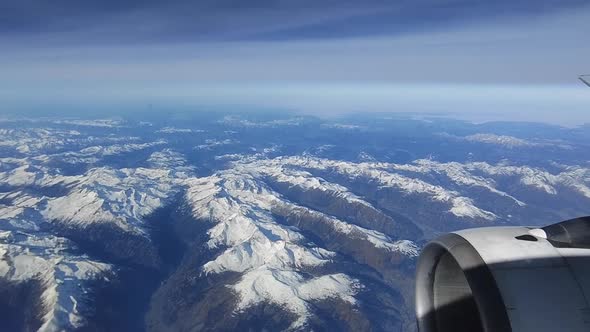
x=506, y=279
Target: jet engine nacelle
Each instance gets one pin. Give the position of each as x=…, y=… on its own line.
x=520, y=279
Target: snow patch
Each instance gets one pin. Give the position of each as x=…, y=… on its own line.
x=292, y=291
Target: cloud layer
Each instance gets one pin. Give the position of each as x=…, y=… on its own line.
x=112, y=21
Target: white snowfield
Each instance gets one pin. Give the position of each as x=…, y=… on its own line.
x=36, y=142
x=573, y=177
x=385, y=176
x=271, y=255
x=343, y=126
x=62, y=277
x=291, y=291
x=120, y=197
x=510, y=142
x=117, y=149
x=236, y=121
x=403, y=177
x=174, y=130
x=102, y=123
x=240, y=205
x=213, y=143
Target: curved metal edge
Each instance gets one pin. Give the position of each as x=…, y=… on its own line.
x=487, y=296
x=571, y=233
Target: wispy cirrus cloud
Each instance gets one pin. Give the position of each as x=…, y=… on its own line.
x=111, y=21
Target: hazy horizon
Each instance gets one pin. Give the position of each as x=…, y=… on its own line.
x=508, y=60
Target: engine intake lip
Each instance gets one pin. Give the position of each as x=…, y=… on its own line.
x=485, y=294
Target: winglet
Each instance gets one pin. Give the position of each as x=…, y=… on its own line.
x=584, y=79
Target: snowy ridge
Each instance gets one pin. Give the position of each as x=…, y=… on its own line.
x=270, y=255
x=119, y=197
x=573, y=178
x=363, y=156
x=174, y=130
x=35, y=140
x=458, y=173
x=512, y=142
x=303, y=180
x=240, y=207
x=92, y=154
x=475, y=174
x=292, y=292
x=212, y=143
x=19, y=203
x=102, y=194
x=101, y=123
x=507, y=141
x=377, y=239
x=236, y=121
x=342, y=126
x=377, y=172
x=62, y=276
x=50, y=143
x=258, y=154
x=171, y=160
x=117, y=148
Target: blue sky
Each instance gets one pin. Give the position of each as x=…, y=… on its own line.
x=511, y=60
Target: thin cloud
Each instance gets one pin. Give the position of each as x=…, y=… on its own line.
x=108, y=22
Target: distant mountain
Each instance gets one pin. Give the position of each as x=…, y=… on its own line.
x=235, y=223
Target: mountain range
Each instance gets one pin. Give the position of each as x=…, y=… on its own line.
x=235, y=222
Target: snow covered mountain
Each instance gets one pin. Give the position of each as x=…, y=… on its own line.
x=246, y=224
